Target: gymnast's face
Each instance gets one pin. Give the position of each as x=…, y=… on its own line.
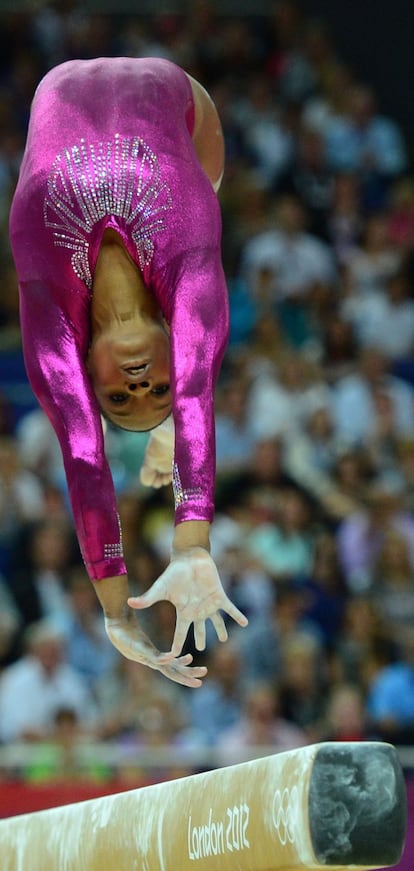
x=130, y=376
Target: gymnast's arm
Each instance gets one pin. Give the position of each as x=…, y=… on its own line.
x=208, y=140
x=55, y=343
x=55, y=334
x=198, y=337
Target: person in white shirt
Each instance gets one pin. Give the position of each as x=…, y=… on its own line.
x=298, y=260
x=35, y=687
x=353, y=398
x=386, y=318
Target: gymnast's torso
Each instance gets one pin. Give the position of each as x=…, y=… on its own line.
x=110, y=146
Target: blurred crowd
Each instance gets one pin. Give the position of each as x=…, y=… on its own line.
x=314, y=529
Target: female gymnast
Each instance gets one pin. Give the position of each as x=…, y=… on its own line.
x=115, y=230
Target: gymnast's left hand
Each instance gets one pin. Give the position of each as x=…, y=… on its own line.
x=192, y=583
x=134, y=644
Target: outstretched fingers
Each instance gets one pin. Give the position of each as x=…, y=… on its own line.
x=146, y=600
x=200, y=630
x=200, y=634
x=219, y=626
x=234, y=612
x=178, y=670
x=181, y=630
x=180, y=673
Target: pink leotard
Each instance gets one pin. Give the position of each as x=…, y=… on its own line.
x=109, y=145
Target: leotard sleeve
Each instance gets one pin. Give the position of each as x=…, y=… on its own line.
x=199, y=332
x=55, y=342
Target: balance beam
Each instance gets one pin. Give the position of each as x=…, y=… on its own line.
x=329, y=805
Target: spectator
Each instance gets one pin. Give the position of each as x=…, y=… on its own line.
x=362, y=646
x=33, y=689
x=351, y=475
x=38, y=580
x=384, y=437
x=21, y=496
x=63, y=756
x=362, y=534
x=337, y=347
x=393, y=584
x=39, y=448
x=353, y=398
x=289, y=63
x=384, y=317
x=260, y=730
x=364, y=140
x=285, y=549
x=126, y=695
x=300, y=263
x=320, y=49
x=252, y=494
x=390, y=701
x=311, y=458
x=345, y=715
x=329, y=101
x=310, y=179
x=281, y=399
x=325, y=593
x=268, y=345
x=268, y=140
x=374, y=260
x=405, y=465
x=22, y=499
x=262, y=644
x=344, y=221
x=234, y=436
x=218, y=704
x=303, y=683
x=401, y=215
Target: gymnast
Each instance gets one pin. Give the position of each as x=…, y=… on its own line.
x=115, y=231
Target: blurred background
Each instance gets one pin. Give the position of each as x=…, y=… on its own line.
x=314, y=531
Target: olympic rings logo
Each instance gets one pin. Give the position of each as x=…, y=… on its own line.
x=283, y=808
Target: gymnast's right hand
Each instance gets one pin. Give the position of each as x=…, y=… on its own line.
x=156, y=470
x=125, y=634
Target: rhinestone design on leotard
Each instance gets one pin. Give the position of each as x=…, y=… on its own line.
x=88, y=181
x=115, y=549
x=180, y=494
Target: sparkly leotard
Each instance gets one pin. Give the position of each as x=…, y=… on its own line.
x=109, y=146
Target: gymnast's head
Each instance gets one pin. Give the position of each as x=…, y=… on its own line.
x=129, y=354
x=130, y=373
